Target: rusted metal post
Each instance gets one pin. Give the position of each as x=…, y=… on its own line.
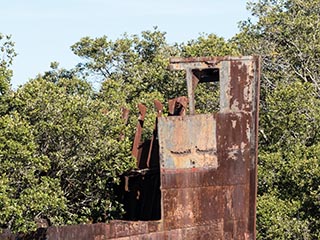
x=137, y=138
x=191, y=84
x=159, y=108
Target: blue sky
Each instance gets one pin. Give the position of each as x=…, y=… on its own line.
x=44, y=30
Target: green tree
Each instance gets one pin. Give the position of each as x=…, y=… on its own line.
x=7, y=54
x=289, y=163
x=60, y=153
x=25, y=195
x=135, y=62
x=80, y=135
x=133, y=69
x=284, y=34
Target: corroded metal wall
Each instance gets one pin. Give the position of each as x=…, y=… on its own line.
x=208, y=163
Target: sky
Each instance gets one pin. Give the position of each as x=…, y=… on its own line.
x=44, y=30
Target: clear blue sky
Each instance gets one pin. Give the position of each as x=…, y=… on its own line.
x=44, y=30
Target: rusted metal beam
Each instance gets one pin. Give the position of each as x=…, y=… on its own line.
x=159, y=108
x=178, y=63
x=178, y=106
x=137, y=138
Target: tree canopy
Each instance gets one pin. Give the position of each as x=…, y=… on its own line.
x=285, y=35
x=60, y=149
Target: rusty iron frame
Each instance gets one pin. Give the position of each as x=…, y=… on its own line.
x=208, y=162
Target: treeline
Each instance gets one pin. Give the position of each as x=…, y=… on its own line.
x=61, y=153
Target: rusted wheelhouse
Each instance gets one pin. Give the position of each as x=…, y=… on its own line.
x=196, y=178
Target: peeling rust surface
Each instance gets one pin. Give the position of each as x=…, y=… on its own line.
x=188, y=142
x=218, y=189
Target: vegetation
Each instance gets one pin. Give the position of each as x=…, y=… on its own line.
x=60, y=148
x=285, y=36
x=59, y=154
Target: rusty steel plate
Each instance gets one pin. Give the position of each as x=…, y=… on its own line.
x=188, y=142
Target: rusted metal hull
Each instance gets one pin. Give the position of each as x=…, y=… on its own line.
x=213, y=183
x=208, y=163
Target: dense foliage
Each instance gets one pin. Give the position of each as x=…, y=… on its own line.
x=60, y=156
x=60, y=147
x=286, y=36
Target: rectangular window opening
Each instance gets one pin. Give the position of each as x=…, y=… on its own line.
x=207, y=92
